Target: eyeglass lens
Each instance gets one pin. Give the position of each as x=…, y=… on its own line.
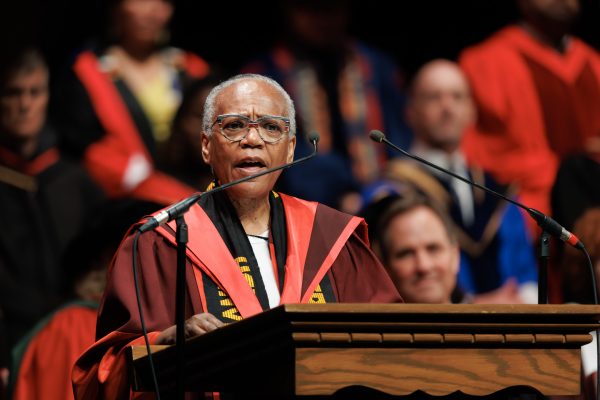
x=236, y=127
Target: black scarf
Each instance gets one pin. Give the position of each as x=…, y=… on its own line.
x=221, y=212
x=223, y=215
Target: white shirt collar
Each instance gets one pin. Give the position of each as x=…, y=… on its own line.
x=441, y=158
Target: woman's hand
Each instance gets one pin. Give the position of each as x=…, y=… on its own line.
x=197, y=325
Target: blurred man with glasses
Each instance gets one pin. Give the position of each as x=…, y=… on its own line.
x=45, y=198
x=250, y=248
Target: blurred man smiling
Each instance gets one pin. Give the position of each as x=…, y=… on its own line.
x=418, y=246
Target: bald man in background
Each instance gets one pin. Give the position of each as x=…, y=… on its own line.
x=497, y=262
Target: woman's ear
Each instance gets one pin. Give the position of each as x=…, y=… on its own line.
x=205, y=148
x=291, y=148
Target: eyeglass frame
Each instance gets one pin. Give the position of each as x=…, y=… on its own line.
x=251, y=123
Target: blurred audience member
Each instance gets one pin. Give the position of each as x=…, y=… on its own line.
x=44, y=199
x=497, y=258
x=118, y=107
x=183, y=156
x=576, y=204
x=417, y=244
x=537, y=90
x=42, y=361
x=342, y=89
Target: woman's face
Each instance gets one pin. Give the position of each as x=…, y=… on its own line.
x=235, y=160
x=143, y=21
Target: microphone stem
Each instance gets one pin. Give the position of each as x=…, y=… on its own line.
x=445, y=171
x=540, y=218
x=545, y=222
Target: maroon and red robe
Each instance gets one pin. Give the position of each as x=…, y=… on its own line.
x=322, y=243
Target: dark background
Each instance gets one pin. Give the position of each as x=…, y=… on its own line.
x=228, y=33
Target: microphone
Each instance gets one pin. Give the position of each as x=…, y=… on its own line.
x=545, y=222
x=175, y=210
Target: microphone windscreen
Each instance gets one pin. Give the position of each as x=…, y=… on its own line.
x=377, y=136
x=313, y=137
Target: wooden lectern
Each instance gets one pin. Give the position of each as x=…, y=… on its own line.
x=317, y=349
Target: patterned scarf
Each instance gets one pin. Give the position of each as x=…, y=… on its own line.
x=223, y=215
x=358, y=104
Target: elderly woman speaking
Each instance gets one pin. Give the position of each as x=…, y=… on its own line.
x=250, y=248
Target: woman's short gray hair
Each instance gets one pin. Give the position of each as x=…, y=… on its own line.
x=210, y=104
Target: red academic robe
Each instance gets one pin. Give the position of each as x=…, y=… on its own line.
x=320, y=241
x=108, y=159
x=44, y=371
x=535, y=106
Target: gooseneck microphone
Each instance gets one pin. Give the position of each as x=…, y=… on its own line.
x=177, y=209
x=549, y=227
x=545, y=222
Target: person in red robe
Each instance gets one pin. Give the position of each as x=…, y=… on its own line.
x=537, y=90
x=117, y=106
x=250, y=248
x=43, y=359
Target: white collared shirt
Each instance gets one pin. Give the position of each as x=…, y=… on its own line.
x=456, y=163
x=260, y=247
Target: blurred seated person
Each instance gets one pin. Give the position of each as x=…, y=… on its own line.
x=417, y=244
x=43, y=360
x=250, y=248
x=576, y=206
x=537, y=90
x=183, y=153
x=117, y=107
x=416, y=240
x=342, y=89
x=44, y=198
x=493, y=238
